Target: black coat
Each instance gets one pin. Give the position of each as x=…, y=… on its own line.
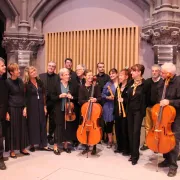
x=140, y=91
x=55, y=98
x=124, y=95
x=3, y=99
x=49, y=86
x=172, y=94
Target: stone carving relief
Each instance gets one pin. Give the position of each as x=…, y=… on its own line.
x=164, y=35
x=12, y=44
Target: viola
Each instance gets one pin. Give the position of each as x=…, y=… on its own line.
x=69, y=111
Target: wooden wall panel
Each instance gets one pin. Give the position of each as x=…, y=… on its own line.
x=116, y=47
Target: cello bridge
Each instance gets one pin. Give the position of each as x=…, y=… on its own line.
x=157, y=130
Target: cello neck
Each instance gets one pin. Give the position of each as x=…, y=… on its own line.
x=163, y=97
x=90, y=105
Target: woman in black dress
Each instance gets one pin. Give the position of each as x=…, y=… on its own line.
x=136, y=110
x=36, y=109
x=65, y=130
x=16, y=132
x=121, y=124
x=85, y=96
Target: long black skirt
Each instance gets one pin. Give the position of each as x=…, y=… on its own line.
x=16, y=130
x=65, y=131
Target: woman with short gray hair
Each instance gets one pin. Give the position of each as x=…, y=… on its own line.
x=65, y=131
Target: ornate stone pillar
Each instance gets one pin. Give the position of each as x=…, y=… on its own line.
x=22, y=50
x=163, y=31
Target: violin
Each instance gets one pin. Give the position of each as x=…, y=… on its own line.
x=69, y=108
x=160, y=138
x=89, y=132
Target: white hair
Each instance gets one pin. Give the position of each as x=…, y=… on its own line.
x=82, y=66
x=62, y=71
x=156, y=66
x=169, y=67
x=2, y=60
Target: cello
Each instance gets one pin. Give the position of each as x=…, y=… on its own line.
x=160, y=138
x=89, y=132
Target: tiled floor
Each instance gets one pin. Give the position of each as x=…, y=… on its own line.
x=105, y=166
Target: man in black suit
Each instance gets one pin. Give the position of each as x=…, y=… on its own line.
x=49, y=80
x=73, y=77
x=3, y=109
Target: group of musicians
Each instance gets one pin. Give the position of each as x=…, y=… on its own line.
x=125, y=96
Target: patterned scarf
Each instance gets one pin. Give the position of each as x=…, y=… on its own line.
x=137, y=82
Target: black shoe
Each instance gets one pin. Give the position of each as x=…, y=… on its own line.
x=125, y=154
x=2, y=165
x=24, y=153
x=57, y=152
x=85, y=151
x=178, y=158
x=117, y=151
x=67, y=150
x=172, y=172
x=51, y=141
x=134, y=162
x=163, y=164
x=93, y=152
x=130, y=159
x=32, y=149
x=46, y=149
x=143, y=148
x=5, y=158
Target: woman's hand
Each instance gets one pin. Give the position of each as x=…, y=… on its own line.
x=120, y=100
x=110, y=97
x=93, y=99
x=63, y=95
x=45, y=110
x=69, y=96
x=7, y=116
x=25, y=112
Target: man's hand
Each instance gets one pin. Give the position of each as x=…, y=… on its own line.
x=164, y=102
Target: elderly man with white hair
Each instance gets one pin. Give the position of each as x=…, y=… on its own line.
x=172, y=98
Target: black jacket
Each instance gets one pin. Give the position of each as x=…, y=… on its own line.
x=124, y=95
x=172, y=94
x=3, y=98
x=131, y=102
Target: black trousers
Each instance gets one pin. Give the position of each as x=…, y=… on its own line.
x=1, y=140
x=121, y=130
x=135, y=119
x=52, y=125
x=172, y=156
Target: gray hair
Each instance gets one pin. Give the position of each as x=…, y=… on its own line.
x=52, y=62
x=81, y=65
x=156, y=66
x=2, y=60
x=169, y=67
x=63, y=70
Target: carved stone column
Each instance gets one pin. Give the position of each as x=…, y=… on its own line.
x=22, y=50
x=163, y=31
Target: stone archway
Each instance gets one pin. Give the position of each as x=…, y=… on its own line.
x=45, y=7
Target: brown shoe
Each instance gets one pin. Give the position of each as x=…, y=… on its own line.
x=2, y=165
x=143, y=148
x=172, y=172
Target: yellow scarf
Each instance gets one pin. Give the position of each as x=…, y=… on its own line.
x=137, y=82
